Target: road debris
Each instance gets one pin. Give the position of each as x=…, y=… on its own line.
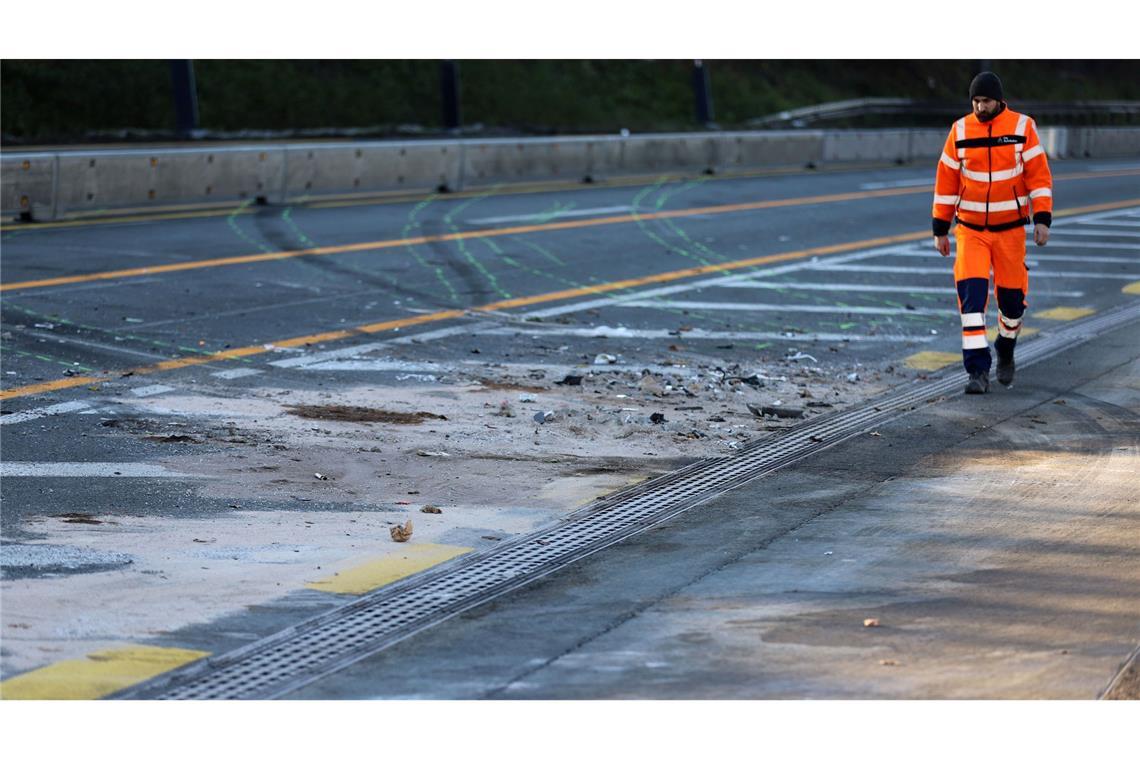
x=657, y=418
x=782, y=412
x=426, y=453
x=428, y=509
x=401, y=533
x=543, y=417
x=871, y=623
x=605, y=359
x=319, y=476
x=889, y=663
x=570, y=380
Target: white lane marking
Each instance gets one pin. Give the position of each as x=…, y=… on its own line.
x=47, y=411
x=948, y=272
x=1102, y=233
x=88, y=470
x=1074, y=244
x=710, y=335
x=378, y=365
x=233, y=374
x=1113, y=167
x=925, y=181
x=1109, y=222
x=353, y=352
x=848, y=287
x=551, y=216
x=1034, y=256
x=708, y=282
x=151, y=390
x=791, y=308
x=1113, y=214
x=364, y=365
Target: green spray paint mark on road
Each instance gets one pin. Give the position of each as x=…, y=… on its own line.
x=49, y=360
x=475, y=263
x=231, y=221
x=452, y=293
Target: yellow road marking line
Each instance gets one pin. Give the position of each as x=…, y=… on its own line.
x=72, y=382
x=127, y=220
x=99, y=674
x=929, y=361
x=472, y=234
x=380, y=572
x=233, y=353
x=1133, y=289
x=134, y=216
x=1065, y=313
x=189, y=361
x=496, y=232
x=387, y=197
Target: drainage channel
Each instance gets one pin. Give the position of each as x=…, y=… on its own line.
x=313, y=649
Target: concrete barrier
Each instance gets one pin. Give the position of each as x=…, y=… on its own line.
x=1106, y=142
x=745, y=150
x=490, y=162
x=52, y=185
x=314, y=171
x=28, y=185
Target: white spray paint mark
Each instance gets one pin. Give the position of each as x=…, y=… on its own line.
x=88, y=470
x=47, y=411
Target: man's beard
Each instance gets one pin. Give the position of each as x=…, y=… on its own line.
x=984, y=117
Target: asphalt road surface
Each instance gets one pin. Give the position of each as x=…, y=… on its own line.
x=124, y=338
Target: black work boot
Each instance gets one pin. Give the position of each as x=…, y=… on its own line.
x=979, y=382
x=1005, y=369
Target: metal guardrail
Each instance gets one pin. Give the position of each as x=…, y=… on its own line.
x=1074, y=111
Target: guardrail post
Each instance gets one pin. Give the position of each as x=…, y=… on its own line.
x=449, y=79
x=702, y=92
x=185, y=98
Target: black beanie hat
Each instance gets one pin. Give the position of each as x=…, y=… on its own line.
x=987, y=85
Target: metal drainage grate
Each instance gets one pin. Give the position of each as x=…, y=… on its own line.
x=322, y=645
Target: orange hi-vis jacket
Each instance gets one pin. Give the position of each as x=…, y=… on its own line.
x=994, y=175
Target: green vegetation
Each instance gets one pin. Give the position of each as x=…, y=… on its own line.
x=85, y=100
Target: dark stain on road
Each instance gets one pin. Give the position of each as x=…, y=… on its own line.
x=335, y=413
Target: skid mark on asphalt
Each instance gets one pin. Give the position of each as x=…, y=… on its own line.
x=411, y=224
x=448, y=220
x=99, y=674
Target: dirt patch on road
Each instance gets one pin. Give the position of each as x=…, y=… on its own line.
x=336, y=413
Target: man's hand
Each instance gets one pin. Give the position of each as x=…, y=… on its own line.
x=1040, y=234
x=942, y=243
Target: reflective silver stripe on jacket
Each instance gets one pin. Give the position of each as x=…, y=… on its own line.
x=999, y=206
x=996, y=176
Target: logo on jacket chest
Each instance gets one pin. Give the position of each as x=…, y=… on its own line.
x=989, y=142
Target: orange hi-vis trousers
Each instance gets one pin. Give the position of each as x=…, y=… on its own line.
x=979, y=251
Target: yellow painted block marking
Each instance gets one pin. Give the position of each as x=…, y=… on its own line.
x=992, y=333
x=100, y=674
x=380, y=572
x=931, y=360
x=1133, y=289
x=1065, y=313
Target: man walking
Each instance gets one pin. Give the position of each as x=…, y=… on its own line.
x=993, y=175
